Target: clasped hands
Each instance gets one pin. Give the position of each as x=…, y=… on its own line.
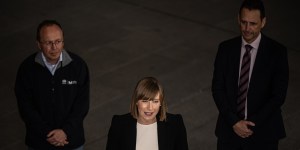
x=242, y=129
x=57, y=137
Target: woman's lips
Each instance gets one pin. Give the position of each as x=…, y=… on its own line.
x=148, y=113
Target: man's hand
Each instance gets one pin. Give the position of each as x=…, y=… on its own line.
x=57, y=137
x=242, y=130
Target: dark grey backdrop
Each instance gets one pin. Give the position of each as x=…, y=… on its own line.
x=124, y=40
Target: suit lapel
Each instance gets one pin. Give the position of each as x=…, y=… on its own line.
x=236, y=54
x=261, y=56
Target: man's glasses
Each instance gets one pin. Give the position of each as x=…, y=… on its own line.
x=52, y=43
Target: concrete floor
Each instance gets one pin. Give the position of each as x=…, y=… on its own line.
x=125, y=40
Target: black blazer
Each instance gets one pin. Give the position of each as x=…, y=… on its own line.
x=266, y=93
x=171, y=133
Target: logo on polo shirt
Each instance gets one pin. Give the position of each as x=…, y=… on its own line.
x=68, y=82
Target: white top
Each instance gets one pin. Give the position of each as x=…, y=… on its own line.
x=146, y=137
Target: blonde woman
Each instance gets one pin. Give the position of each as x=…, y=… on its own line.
x=148, y=126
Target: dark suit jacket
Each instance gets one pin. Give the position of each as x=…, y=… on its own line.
x=171, y=133
x=266, y=93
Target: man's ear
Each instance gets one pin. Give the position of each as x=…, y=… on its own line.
x=38, y=44
x=263, y=23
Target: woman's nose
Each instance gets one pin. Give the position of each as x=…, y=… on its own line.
x=150, y=105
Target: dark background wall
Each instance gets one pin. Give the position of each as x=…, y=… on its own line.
x=125, y=40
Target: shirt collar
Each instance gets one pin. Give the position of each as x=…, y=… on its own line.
x=46, y=61
x=65, y=58
x=254, y=44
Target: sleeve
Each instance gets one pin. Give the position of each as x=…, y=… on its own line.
x=112, y=138
x=181, y=140
x=80, y=107
x=219, y=87
x=26, y=106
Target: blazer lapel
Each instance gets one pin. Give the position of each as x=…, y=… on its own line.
x=162, y=135
x=131, y=134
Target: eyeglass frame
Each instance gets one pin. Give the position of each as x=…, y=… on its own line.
x=51, y=43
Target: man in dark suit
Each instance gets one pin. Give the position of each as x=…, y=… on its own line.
x=249, y=85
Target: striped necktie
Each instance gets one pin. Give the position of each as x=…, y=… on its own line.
x=243, y=82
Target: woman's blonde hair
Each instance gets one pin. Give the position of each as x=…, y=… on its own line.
x=147, y=89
